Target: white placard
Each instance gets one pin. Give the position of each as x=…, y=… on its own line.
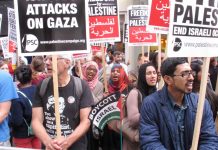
x=193, y=29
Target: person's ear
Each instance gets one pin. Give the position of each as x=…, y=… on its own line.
x=168, y=79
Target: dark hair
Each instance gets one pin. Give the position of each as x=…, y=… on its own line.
x=23, y=74
x=38, y=64
x=196, y=67
x=168, y=67
x=142, y=84
x=116, y=53
x=152, y=58
x=210, y=94
x=140, y=55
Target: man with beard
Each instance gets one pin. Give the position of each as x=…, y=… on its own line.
x=168, y=116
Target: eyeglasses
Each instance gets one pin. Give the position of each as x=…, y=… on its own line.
x=186, y=74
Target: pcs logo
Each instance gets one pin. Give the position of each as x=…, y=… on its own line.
x=177, y=44
x=30, y=42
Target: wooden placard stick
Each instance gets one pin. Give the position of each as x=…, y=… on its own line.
x=56, y=95
x=200, y=104
x=189, y=60
x=80, y=69
x=143, y=51
x=149, y=52
x=104, y=68
x=216, y=90
x=161, y=81
x=159, y=53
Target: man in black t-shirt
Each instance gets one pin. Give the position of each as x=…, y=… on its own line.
x=73, y=108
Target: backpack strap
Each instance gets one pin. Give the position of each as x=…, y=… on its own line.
x=24, y=95
x=43, y=86
x=139, y=99
x=78, y=86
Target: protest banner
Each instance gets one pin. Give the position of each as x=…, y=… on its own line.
x=12, y=35
x=138, y=36
x=96, y=47
x=159, y=16
x=106, y=110
x=0, y=22
x=47, y=28
x=104, y=21
x=193, y=30
x=4, y=45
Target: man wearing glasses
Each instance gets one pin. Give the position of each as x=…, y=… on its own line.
x=74, y=109
x=168, y=116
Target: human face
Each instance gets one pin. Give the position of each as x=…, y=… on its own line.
x=115, y=74
x=118, y=58
x=48, y=64
x=199, y=75
x=151, y=76
x=5, y=67
x=63, y=65
x=143, y=60
x=91, y=72
x=182, y=79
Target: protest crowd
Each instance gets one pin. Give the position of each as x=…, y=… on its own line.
x=24, y=107
x=63, y=87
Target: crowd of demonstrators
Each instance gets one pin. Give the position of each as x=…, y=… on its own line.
x=21, y=111
x=147, y=108
x=168, y=116
x=210, y=95
x=7, y=94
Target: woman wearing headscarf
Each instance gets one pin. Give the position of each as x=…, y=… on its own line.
x=146, y=85
x=118, y=81
x=90, y=74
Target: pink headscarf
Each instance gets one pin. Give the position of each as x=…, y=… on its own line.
x=94, y=81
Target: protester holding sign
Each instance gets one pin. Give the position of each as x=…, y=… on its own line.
x=75, y=101
x=168, y=116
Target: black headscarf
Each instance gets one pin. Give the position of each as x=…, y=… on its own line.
x=142, y=85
